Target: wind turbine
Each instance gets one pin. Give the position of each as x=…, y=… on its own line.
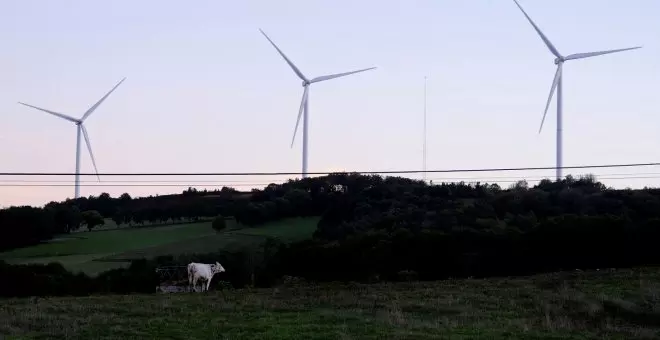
x=304, y=104
x=80, y=128
x=557, y=82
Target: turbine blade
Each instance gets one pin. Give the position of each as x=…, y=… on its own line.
x=332, y=76
x=295, y=69
x=545, y=39
x=89, y=147
x=552, y=92
x=61, y=115
x=593, y=54
x=302, y=107
x=95, y=106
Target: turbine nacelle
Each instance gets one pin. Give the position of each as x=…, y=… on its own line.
x=559, y=60
x=306, y=82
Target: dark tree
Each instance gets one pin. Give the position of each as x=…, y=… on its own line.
x=92, y=218
x=219, y=223
x=118, y=218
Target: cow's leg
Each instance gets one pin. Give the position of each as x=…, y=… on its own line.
x=195, y=284
x=208, y=283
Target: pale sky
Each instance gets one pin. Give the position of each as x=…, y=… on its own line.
x=206, y=92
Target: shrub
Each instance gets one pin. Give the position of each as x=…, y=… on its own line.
x=219, y=223
x=139, y=277
x=42, y=280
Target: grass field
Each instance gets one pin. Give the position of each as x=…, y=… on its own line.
x=598, y=305
x=96, y=251
x=109, y=224
x=286, y=230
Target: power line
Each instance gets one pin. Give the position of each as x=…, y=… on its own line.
x=250, y=182
x=18, y=180
x=216, y=185
x=326, y=173
x=133, y=185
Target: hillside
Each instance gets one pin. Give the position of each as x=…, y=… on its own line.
x=371, y=229
x=97, y=251
x=621, y=304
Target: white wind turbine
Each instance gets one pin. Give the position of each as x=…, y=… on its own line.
x=80, y=128
x=557, y=83
x=304, y=104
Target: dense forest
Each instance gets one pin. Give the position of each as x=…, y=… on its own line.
x=375, y=227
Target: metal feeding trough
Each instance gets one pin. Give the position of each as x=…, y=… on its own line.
x=172, y=279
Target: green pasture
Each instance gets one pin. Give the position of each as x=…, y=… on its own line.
x=289, y=230
x=620, y=304
x=97, y=251
x=109, y=224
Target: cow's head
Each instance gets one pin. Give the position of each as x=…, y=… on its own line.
x=217, y=268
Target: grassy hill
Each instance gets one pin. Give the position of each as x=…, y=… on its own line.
x=624, y=304
x=96, y=251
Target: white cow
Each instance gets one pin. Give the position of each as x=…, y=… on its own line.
x=202, y=271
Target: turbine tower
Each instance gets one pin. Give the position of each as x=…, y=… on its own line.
x=80, y=128
x=557, y=83
x=424, y=144
x=304, y=104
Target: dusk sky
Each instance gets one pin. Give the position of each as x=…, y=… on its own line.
x=206, y=92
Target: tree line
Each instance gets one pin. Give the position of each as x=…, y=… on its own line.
x=26, y=225
x=30, y=225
